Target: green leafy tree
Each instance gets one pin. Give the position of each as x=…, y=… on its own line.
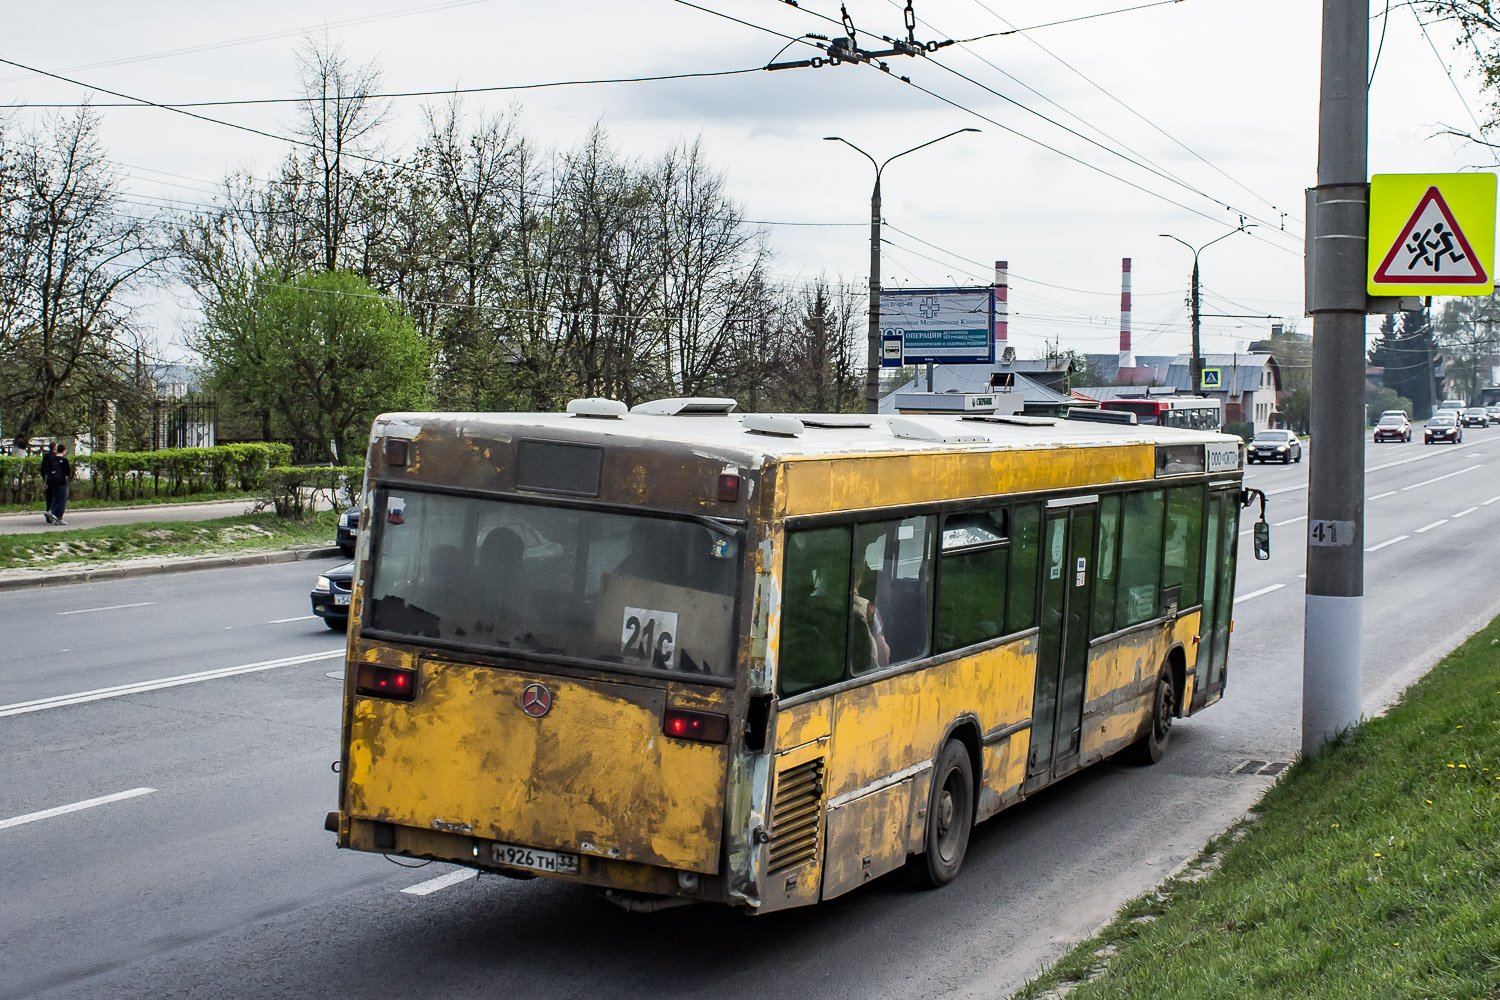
x=322, y=354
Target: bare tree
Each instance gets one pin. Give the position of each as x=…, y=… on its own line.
x=68, y=255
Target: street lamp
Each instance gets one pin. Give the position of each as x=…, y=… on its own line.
x=1195, y=369
x=872, y=371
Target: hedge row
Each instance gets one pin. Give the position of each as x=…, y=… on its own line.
x=139, y=475
x=291, y=489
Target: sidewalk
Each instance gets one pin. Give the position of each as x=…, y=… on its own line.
x=32, y=523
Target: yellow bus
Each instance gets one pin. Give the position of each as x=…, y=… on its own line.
x=681, y=654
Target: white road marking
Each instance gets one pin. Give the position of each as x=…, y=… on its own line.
x=1490, y=501
x=1390, y=541
x=112, y=607
x=121, y=690
x=1434, y=524
x=1467, y=510
x=1290, y=520
x=1257, y=593
x=1382, y=496
x=1437, y=479
x=1286, y=489
x=1474, y=454
x=283, y=621
x=441, y=882
x=74, y=807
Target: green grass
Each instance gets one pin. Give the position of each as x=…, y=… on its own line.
x=1372, y=869
x=93, y=504
x=248, y=533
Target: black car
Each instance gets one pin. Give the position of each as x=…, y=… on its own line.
x=331, y=595
x=348, y=531
x=1475, y=416
x=1443, y=427
x=1274, y=446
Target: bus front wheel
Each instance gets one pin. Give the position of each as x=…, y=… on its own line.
x=950, y=819
x=1153, y=746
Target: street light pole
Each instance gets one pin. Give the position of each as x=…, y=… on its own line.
x=1195, y=368
x=872, y=357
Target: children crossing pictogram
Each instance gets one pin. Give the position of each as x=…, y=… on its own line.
x=1430, y=248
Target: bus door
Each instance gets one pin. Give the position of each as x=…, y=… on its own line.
x=1063, y=647
x=1220, y=545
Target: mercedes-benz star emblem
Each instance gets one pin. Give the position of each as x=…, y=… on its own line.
x=536, y=700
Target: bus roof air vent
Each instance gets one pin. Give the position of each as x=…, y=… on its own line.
x=916, y=430
x=1101, y=416
x=835, y=420
x=674, y=405
x=778, y=424
x=1012, y=418
x=596, y=407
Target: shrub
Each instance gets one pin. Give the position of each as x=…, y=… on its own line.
x=1243, y=428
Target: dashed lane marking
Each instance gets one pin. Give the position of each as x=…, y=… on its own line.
x=283, y=621
x=74, y=807
x=121, y=690
x=1382, y=496
x=1490, y=501
x=1438, y=479
x=1435, y=524
x=1466, y=510
x=1389, y=541
x=441, y=882
x=112, y=607
x=1259, y=593
x=1290, y=520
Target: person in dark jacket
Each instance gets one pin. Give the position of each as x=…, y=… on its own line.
x=57, y=478
x=49, y=459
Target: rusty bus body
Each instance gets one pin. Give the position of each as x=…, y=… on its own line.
x=542, y=749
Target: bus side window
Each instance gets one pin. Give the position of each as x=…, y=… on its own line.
x=1104, y=565
x=1140, y=559
x=1184, y=543
x=814, y=609
x=971, y=579
x=1025, y=564
x=891, y=596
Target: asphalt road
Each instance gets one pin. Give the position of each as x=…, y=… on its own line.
x=220, y=882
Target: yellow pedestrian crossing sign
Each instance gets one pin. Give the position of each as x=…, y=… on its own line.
x=1209, y=378
x=1431, y=234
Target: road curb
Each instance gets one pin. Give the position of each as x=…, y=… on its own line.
x=130, y=570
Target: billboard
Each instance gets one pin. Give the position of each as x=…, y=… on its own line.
x=951, y=326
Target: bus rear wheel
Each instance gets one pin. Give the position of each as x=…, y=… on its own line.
x=950, y=819
x=1153, y=746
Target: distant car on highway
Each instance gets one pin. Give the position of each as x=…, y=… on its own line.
x=1494, y=411
x=1443, y=427
x=1476, y=416
x=347, y=534
x=1274, y=446
x=1454, y=406
x=331, y=596
x=1393, y=426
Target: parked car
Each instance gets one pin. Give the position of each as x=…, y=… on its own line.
x=347, y=534
x=331, y=595
x=1475, y=416
x=1274, y=446
x=1393, y=426
x=1443, y=427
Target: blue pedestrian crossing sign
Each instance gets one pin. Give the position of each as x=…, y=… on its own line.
x=1211, y=378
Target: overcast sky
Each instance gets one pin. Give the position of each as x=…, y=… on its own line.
x=1222, y=96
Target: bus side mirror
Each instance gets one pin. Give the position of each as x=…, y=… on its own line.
x=1262, y=540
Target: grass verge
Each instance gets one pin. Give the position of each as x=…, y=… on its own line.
x=143, y=501
x=248, y=533
x=1372, y=869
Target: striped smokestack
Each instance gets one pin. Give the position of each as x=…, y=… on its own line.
x=1002, y=303
x=1127, y=358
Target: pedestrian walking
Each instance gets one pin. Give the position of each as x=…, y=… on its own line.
x=57, y=478
x=49, y=459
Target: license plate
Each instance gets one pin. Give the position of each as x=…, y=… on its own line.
x=542, y=861
x=340, y=599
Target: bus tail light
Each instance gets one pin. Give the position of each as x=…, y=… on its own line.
x=729, y=487
x=701, y=727
x=387, y=682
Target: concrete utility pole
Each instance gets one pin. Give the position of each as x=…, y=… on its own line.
x=1332, y=651
x=872, y=372
x=1195, y=368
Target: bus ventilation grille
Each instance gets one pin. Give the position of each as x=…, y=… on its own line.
x=796, y=815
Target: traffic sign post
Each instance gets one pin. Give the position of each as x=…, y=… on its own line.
x=1431, y=234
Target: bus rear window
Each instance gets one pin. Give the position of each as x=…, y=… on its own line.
x=642, y=591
